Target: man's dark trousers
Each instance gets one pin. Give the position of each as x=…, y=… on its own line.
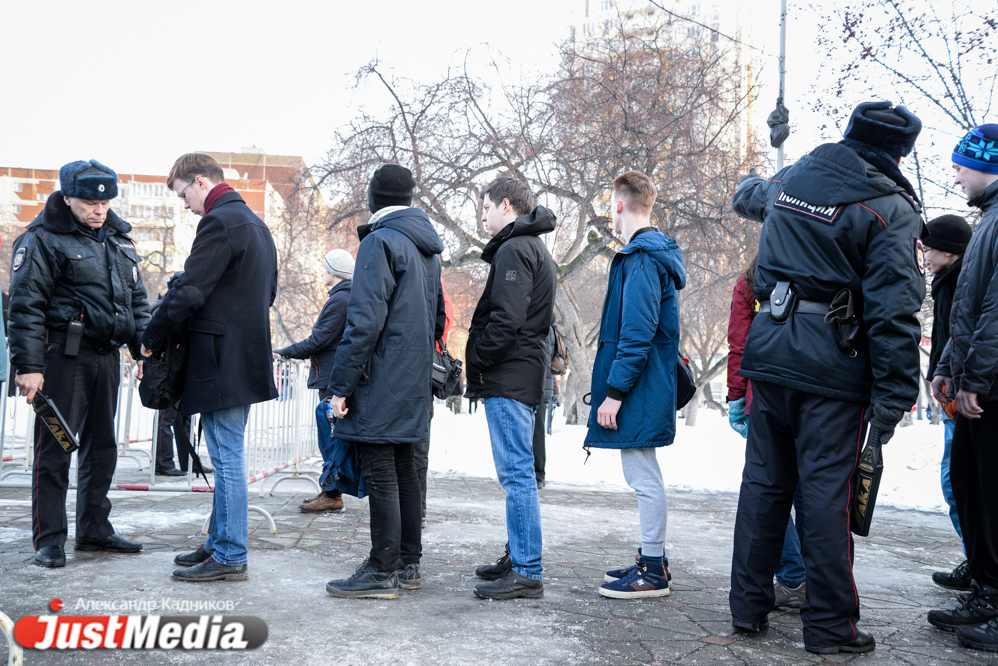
x=393, y=492
x=166, y=422
x=795, y=434
x=85, y=389
x=973, y=469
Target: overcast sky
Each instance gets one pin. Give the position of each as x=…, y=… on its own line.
x=135, y=84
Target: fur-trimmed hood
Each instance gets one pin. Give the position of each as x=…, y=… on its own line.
x=57, y=218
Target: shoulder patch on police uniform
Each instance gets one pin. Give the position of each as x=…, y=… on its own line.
x=824, y=214
x=920, y=256
x=126, y=245
x=19, y=258
x=511, y=276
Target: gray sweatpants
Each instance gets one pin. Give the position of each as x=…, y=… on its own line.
x=642, y=473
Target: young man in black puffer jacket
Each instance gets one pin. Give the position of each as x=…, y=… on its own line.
x=506, y=359
x=320, y=349
x=967, y=373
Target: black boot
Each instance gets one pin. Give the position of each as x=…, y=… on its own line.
x=511, y=586
x=51, y=556
x=190, y=559
x=980, y=637
x=979, y=608
x=210, y=570
x=113, y=544
x=409, y=576
x=366, y=583
x=958, y=579
x=495, y=571
x=864, y=642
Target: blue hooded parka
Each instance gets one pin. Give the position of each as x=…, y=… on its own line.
x=638, y=350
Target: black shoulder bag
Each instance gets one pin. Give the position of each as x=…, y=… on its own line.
x=446, y=371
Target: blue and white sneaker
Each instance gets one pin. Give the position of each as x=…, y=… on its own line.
x=648, y=579
x=617, y=574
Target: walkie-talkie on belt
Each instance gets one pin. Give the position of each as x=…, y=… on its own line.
x=74, y=336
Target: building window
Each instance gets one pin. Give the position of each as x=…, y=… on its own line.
x=18, y=187
x=43, y=197
x=17, y=208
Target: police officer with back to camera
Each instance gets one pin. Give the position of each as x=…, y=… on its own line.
x=833, y=350
x=76, y=298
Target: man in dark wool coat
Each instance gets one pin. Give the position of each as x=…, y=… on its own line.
x=224, y=295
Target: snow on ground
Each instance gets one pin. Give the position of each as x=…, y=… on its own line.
x=708, y=456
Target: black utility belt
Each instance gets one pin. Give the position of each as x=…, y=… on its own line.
x=800, y=307
x=60, y=337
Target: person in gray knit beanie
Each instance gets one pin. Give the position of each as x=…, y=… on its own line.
x=338, y=263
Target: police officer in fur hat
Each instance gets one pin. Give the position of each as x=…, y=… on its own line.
x=76, y=298
x=832, y=353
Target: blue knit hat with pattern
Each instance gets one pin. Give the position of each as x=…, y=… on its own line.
x=978, y=150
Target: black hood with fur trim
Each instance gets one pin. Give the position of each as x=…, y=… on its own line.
x=60, y=273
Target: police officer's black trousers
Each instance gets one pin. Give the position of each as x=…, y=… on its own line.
x=85, y=389
x=794, y=434
x=973, y=470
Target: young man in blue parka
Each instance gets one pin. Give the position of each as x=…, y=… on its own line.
x=634, y=378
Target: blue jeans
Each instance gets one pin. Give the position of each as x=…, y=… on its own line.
x=948, y=425
x=225, y=435
x=791, y=572
x=511, y=429
x=325, y=431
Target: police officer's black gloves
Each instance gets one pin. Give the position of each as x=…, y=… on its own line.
x=882, y=422
x=747, y=177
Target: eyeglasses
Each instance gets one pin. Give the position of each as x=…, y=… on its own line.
x=180, y=194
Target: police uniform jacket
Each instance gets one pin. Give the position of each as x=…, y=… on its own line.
x=971, y=355
x=60, y=271
x=831, y=221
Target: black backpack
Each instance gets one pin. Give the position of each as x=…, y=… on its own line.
x=162, y=383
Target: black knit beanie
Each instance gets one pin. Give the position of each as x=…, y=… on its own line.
x=948, y=233
x=391, y=185
x=881, y=125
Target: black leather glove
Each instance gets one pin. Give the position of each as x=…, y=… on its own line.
x=282, y=352
x=882, y=422
x=750, y=175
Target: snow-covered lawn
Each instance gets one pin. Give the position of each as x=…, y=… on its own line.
x=709, y=456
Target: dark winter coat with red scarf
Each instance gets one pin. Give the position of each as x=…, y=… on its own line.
x=225, y=294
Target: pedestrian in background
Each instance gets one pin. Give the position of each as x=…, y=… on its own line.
x=320, y=350
x=967, y=374
x=634, y=376
x=945, y=244
x=225, y=294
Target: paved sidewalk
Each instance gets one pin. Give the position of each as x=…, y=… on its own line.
x=586, y=532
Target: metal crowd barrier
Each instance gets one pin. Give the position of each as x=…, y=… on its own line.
x=15, y=656
x=281, y=437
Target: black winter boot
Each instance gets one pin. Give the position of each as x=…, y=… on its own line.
x=497, y=570
x=980, y=637
x=958, y=579
x=511, y=586
x=863, y=642
x=366, y=583
x=979, y=608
